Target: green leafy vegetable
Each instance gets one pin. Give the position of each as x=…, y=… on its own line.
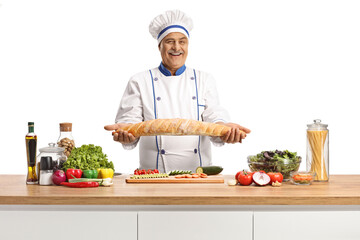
x=284, y=162
x=87, y=157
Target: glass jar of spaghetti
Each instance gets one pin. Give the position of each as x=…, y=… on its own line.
x=317, y=152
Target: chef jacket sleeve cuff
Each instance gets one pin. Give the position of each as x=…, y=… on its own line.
x=130, y=146
x=217, y=141
x=220, y=120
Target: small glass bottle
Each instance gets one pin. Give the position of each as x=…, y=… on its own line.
x=317, y=152
x=31, y=144
x=66, y=139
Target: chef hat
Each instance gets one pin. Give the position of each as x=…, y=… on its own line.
x=170, y=21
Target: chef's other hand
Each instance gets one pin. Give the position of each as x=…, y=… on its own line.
x=122, y=136
x=235, y=134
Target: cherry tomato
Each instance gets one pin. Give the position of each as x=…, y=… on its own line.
x=245, y=178
x=275, y=176
x=144, y=171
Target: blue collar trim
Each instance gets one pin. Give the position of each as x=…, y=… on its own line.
x=167, y=73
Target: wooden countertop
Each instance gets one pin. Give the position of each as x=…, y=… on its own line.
x=341, y=190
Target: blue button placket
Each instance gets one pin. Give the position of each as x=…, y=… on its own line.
x=198, y=114
x=156, y=138
x=167, y=73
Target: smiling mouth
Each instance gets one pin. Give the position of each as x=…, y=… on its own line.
x=175, y=54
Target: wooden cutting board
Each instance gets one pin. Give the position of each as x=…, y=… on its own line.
x=172, y=179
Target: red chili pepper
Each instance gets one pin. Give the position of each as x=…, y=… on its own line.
x=80, y=184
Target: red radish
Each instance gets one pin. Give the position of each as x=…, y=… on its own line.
x=261, y=178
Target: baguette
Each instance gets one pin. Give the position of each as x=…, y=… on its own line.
x=175, y=126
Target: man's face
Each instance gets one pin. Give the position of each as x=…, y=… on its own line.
x=174, y=50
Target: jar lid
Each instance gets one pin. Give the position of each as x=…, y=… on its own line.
x=317, y=125
x=52, y=149
x=65, y=127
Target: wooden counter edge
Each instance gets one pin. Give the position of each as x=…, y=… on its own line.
x=13, y=200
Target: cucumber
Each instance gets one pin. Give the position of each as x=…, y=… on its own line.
x=146, y=176
x=209, y=170
x=179, y=172
x=73, y=180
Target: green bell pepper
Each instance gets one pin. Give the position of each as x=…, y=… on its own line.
x=90, y=173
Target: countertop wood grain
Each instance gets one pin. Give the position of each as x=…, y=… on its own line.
x=340, y=190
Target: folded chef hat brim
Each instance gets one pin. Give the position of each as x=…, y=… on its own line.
x=170, y=29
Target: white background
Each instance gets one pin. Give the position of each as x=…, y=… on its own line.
x=278, y=66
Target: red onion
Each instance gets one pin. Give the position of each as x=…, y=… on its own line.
x=261, y=178
x=58, y=177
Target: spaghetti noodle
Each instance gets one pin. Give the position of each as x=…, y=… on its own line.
x=317, y=141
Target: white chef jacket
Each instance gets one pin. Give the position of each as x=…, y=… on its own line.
x=156, y=94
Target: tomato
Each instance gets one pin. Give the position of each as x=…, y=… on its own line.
x=275, y=176
x=237, y=175
x=245, y=178
x=144, y=171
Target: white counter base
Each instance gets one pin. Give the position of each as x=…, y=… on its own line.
x=94, y=222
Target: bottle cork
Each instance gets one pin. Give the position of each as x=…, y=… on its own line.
x=65, y=127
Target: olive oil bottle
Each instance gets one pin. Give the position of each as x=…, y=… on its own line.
x=31, y=143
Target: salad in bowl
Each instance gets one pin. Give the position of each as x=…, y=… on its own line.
x=284, y=162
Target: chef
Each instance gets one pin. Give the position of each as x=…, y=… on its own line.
x=173, y=90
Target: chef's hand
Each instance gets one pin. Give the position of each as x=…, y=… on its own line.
x=122, y=136
x=235, y=134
